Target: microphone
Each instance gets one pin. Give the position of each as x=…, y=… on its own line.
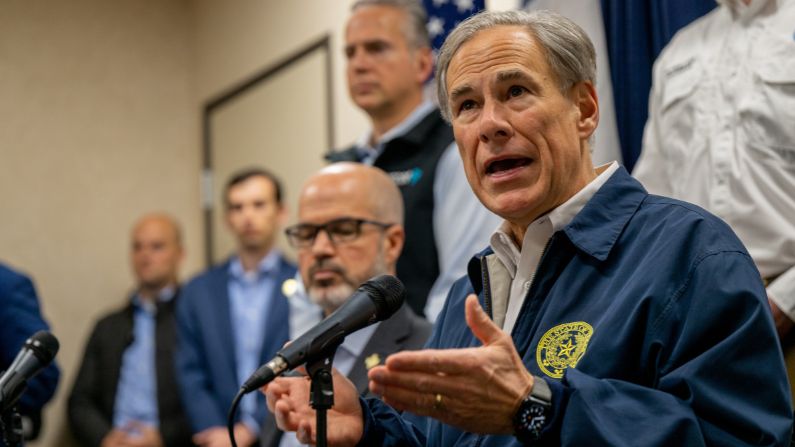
x=37, y=352
x=375, y=300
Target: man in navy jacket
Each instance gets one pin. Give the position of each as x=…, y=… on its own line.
x=20, y=317
x=600, y=315
x=234, y=317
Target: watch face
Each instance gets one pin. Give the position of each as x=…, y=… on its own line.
x=532, y=418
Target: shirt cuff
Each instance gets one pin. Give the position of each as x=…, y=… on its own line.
x=782, y=292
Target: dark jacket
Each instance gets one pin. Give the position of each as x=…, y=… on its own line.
x=411, y=161
x=20, y=317
x=94, y=392
x=206, y=356
x=666, y=328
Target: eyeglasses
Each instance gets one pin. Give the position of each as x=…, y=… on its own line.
x=340, y=231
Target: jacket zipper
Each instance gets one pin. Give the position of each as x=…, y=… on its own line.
x=484, y=272
x=487, y=298
x=538, y=267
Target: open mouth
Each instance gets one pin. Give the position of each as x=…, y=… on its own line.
x=505, y=165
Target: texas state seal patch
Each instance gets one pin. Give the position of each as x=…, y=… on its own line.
x=562, y=347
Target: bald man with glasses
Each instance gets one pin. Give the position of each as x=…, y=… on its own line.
x=350, y=229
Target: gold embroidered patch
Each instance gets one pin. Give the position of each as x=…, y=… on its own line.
x=562, y=347
x=372, y=361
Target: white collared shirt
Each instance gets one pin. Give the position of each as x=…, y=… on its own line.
x=522, y=264
x=721, y=129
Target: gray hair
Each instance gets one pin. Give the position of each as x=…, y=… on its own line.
x=414, y=30
x=568, y=50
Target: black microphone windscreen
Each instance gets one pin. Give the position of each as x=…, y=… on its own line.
x=44, y=345
x=388, y=294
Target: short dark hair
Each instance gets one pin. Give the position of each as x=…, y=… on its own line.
x=415, y=29
x=245, y=174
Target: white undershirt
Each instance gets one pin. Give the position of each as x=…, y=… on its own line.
x=522, y=264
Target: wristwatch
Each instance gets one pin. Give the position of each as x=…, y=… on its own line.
x=534, y=412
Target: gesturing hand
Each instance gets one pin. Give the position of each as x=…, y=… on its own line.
x=475, y=389
x=288, y=400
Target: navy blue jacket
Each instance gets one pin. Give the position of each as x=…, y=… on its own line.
x=20, y=318
x=205, y=360
x=664, y=319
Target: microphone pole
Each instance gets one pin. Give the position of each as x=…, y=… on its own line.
x=321, y=394
x=375, y=300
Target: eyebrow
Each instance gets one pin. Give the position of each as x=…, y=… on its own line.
x=512, y=75
x=460, y=91
x=503, y=76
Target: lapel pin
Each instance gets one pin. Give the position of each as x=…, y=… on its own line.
x=372, y=361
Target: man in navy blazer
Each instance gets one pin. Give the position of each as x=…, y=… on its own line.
x=234, y=317
x=20, y=318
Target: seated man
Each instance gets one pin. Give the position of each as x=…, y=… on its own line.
x=350, y=229
x=600, y=315
x=125, y=391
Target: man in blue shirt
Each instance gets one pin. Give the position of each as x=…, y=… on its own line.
x=600, y=315
x=235, y=316
x=125, y=391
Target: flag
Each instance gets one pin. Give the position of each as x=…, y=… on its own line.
x=444, y=15
x=588, y=14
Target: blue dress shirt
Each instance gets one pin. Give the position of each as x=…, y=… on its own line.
x=136, y=394
x=250, y=296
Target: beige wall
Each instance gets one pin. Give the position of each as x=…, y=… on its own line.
x=100, y=106
x=98, y=124
x=236, y=39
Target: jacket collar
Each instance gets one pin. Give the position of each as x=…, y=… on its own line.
x=596, y=228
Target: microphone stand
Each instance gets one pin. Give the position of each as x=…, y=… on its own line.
x=321, y=394
x=11, y=427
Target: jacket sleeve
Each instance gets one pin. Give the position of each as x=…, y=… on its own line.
x=89, y=423
x=192, y=369
x=385, y=426
x=20, y=318
x=717, y=371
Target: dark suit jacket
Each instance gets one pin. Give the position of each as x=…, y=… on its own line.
x=20, y=318
x=206, y=356
x=403, y=331
x=93, y=395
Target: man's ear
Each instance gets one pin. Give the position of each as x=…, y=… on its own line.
x=394, y=237
x=584, y=96
x=423, y=58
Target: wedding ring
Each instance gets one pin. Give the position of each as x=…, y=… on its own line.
x=437, y=404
